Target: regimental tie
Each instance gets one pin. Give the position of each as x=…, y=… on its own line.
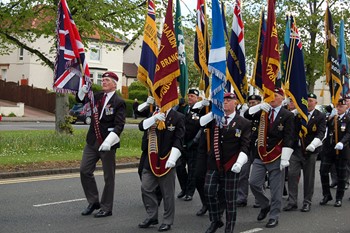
x=272, y=116
x=102, y=103
x=226, y=121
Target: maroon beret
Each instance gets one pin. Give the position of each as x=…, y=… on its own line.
x=279, y=91
x=110, y=75
x=230, y=95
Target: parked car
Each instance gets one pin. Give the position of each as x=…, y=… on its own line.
x=79, y=114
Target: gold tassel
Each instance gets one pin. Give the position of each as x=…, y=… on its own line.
x=322, y=92
x=161, y=125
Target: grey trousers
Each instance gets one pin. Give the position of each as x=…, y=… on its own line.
x=167, y=186
x=298, y=162
x=276, y=179
x=87, y=168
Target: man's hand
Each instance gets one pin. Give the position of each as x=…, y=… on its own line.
x=110, y=141
x=82, y=91
x=241, y=160
x=173, y=157
x=339, y=146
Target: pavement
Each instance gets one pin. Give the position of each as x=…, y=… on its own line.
x=36, y=115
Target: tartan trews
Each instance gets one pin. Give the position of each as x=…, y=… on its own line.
x=227, y=182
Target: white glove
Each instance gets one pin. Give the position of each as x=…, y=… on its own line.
x=173, y=157
x=153, y=119
x=314, y=144
x=110, y=141
x=333, y=113
x=265, y=107
x=339, y=146
x=82, y=91
x=204, y=120
x=150, y=100
x=242, y=109
x=295, y=112
x=285, y=102
x=241, y=160
x=286, y=153
x=201, y=104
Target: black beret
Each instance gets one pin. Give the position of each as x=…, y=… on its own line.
x=312, y=95
x=341, y=101
x=254, y=97
x=193, y=91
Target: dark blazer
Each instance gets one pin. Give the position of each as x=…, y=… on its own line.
x=113, y=119
x=343, y=136
x=281, y=129
x=316, y=128
x=233, y=139
x=172, y=136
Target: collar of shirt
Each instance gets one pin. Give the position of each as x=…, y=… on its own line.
x=341, y=116
x=310, y=114
x=230, y=117
x=277, y=110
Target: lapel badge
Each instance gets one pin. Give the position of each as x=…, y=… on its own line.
x=171, y=127
x=238, y=133
x=109, y=110
x=314, y=128
x=254, y=128
x=343, y=127
x=280, y=127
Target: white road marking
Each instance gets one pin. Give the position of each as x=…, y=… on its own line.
x=58, y=176
x=252, y=230
x=59, y=202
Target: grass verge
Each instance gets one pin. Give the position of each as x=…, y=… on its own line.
x=20, y=148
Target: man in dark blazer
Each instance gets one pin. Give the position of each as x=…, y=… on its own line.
x=305, y=154
x=336, y=152
x=165, y=146
x=102, y=141
x=229, y=152
x=274, y=151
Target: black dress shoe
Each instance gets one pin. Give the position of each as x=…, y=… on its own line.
x=332, y=185
x=188, y=198
x=337, y=203
x=272, y=223
x=263, y=213
x=214, y=226
x=164, y=227
x=148, y=222
x=241, y=204
x=325, y=200
x=103, y=213
x=202, y=211
x=181, y=194
x=290, y=207
x=306, y=207
x=91, y=208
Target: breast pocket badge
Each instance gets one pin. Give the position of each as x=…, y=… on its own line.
x=109, y=110
x=171, y=128
x=238, y=133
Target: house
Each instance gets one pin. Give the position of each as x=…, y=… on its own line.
x=21, y=66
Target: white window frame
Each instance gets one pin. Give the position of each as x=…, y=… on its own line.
x=95, y=53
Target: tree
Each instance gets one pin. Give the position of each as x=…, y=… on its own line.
x=309, y=16
x=25, y=21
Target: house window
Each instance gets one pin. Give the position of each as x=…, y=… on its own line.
x=21, y=53
x=99, y=79
x=95, y=53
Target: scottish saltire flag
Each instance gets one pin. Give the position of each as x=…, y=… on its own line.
x=331, y=60
x=236, y=70
x=343, y=60
x=149, y=52
x=201, y=47
x=167, y=67
x=223, y=14
x=270, y=55
x=256, y=80
x=217, y=64
x=183, y=79
x=71, y=69
x=285, y=50
x=295, y=77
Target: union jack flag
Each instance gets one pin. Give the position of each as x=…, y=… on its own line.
x=71, y=69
